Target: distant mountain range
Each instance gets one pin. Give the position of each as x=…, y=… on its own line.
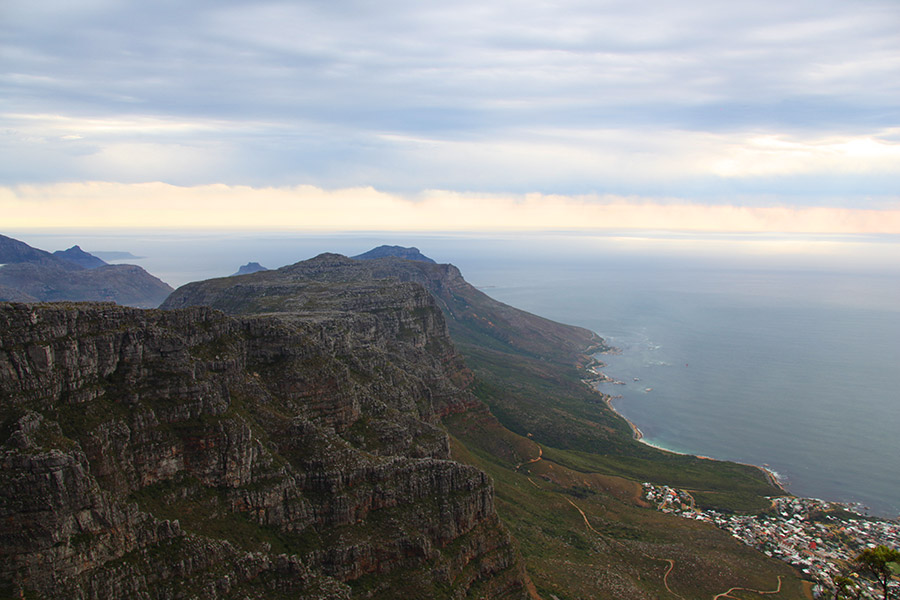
x=32, y=275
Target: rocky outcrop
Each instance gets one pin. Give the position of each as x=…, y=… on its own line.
x=186, y=453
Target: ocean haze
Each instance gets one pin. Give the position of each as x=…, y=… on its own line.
x=788, y=363
x=766, y=349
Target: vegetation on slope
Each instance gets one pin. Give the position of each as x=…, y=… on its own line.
x=585, y=534
x=576, y=513
x=567, y=471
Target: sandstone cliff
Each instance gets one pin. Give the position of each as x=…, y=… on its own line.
x=185, y=453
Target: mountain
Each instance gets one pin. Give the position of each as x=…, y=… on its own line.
x=31, y=274
x=394, y=251
x=551, y=444
x=81, y=258
x=8, y=294
x=187, y=453
x=15, y=252
x=343, y=429
x=472, y=316
x=250, y=267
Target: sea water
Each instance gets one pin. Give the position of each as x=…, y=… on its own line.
x=781, y=351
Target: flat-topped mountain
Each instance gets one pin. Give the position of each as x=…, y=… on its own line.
x=250, y=267
x=31, y=274
x=473, y=317
x=410, y=253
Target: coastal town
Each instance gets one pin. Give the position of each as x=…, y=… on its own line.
x=819, y=538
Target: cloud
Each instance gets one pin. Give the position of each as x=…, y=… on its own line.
x=795, y=101
x=150, y=205
x=738, y=167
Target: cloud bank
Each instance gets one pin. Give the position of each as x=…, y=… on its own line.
x=160, y=205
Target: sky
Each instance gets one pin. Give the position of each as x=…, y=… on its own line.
x=421, y=115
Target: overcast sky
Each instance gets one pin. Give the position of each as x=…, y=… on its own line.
x=568, y=113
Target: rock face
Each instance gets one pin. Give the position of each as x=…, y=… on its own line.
x=28, y=273
x=472, y=316
x=186, y=453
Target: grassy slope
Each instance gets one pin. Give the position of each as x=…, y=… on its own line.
x=526, y=375
x=590, y=462
x=626, y=551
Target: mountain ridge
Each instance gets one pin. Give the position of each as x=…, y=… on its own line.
x=74, y=275
x=509, y=326
x=311, y=424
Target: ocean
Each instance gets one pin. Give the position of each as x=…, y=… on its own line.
x=779, y=351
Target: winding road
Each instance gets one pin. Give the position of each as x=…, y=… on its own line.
x=533, y=460
x=670, y=561
x=760, y=592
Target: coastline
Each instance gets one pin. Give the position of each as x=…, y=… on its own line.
x=637, y=434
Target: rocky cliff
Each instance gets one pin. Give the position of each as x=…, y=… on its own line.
x=473, y=317
x=186, y=453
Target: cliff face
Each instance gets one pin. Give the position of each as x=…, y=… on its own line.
x=149, y=454
x=473, y=317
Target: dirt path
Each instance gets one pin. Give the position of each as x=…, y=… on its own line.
x=666, y=576
x=533, y=460
x=532, y=589
x=760, y=592
x=668, y=560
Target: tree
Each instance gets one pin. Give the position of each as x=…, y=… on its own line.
x=876, y=562
x=846, y=588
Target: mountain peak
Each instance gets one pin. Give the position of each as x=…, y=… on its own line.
x=411, y=253
x=79, y=257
